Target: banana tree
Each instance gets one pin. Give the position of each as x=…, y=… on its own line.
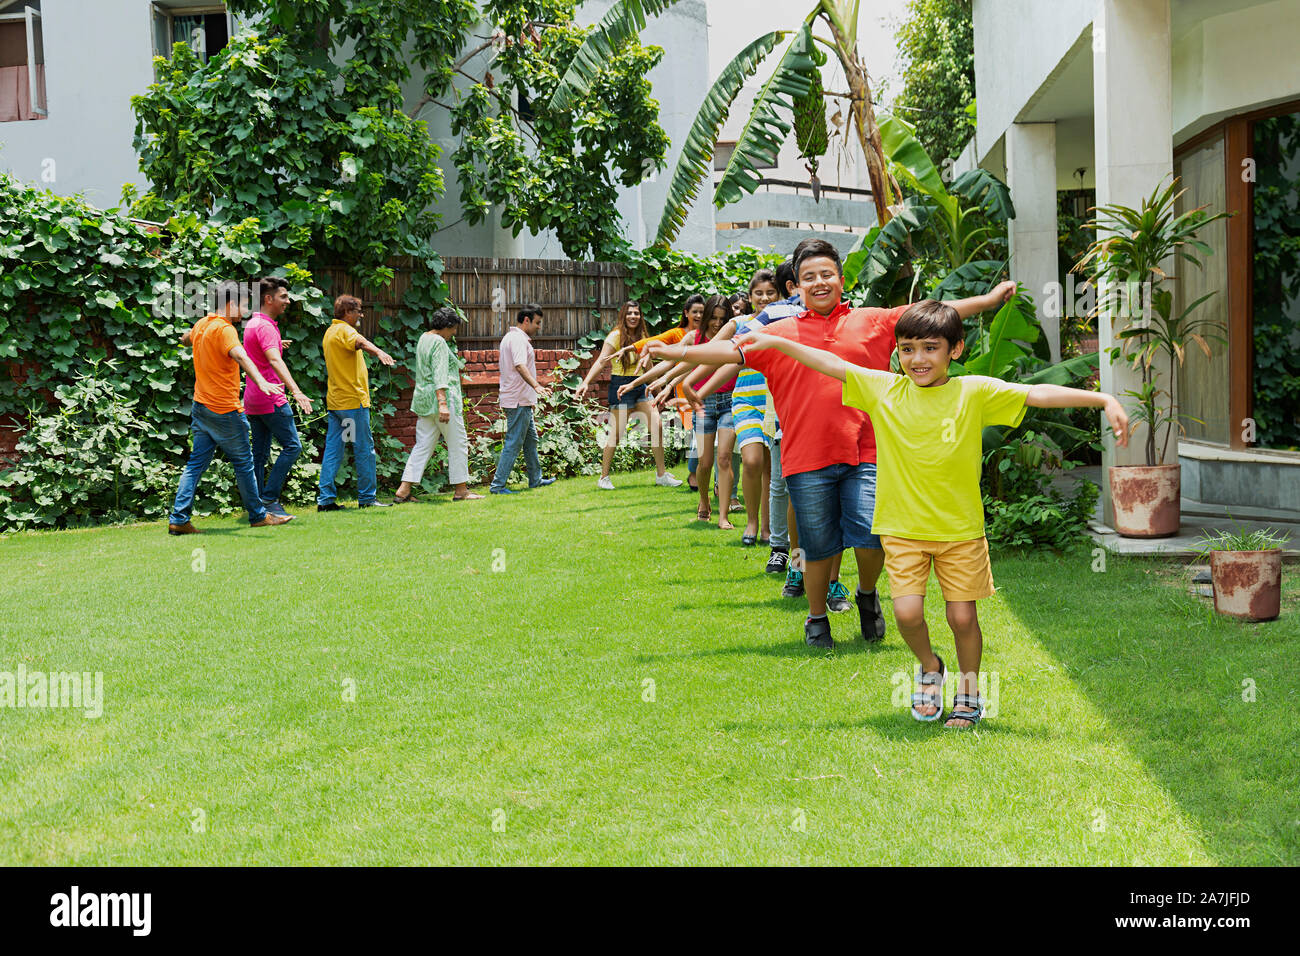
x=955, y=225
x=795, y=76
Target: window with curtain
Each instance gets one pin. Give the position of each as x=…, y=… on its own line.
x=22, y=65
x=206, y=30
x=1275, y=290
x=1203, y=383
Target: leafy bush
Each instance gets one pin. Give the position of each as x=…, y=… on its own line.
x=86, y=459
x=662, y=279
x=1021, y=507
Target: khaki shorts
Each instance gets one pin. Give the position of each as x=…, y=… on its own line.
x=962, y=567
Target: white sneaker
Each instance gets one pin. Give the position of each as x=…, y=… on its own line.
x=668, y=481
x=605, y=484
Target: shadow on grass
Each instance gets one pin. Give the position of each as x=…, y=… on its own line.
x=793, y=646
x=1207, y=704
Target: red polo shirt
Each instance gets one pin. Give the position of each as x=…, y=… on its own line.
x=819, y=429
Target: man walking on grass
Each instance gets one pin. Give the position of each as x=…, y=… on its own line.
x=270, y=416
x=348, y=401
x=519, y=391
x=216, y=415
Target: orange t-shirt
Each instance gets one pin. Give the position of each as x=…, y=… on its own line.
x=819, y=429
x=216, y=374
x=671, y=337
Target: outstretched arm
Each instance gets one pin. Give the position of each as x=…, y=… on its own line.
x=606, y=353
x=982, y=303
x=1058, y=396
x=819, y=360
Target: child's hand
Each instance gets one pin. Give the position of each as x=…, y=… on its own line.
x=755, y=340
x=1118, y=419
x=1003, y=291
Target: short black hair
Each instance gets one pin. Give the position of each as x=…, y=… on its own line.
x=528, y=311
x=929, y=319
x=445, y=318
x=268, y=286
x=784, y=278
x=812, y=248
x=224, y=291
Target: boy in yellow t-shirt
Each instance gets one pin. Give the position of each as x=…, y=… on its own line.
x=928, y=504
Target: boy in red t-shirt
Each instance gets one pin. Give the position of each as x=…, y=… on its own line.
x=828, y=453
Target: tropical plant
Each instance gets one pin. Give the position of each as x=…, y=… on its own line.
x=936, y=46
x=795, y=76
x=945, y=240
x=1128, y=262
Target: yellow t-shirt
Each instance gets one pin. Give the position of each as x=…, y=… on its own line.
x=626, y=366
x=349, y=382
x=929, y=450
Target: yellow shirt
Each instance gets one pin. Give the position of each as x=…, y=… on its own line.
x=626, y=366
x=349, y=382
x=929, y=449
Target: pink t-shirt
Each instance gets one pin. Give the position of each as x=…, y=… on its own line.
x=261, y=332
x=516, y=349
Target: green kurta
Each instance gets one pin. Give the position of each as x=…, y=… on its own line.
x=436, y=366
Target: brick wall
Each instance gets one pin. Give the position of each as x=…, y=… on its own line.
x=481, y=379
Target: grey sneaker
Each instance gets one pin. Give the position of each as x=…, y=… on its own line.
x=837, y=597
x=793, y=584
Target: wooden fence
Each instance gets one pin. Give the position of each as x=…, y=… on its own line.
x=576, y=297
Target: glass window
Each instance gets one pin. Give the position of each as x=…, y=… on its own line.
x=1203, y=384
x=1276, y=284
x=22, y=63
x=206, y=30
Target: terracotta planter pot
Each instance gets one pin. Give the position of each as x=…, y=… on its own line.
x=1147, y=499
x=1247, y=584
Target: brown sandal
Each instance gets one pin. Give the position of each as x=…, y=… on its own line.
x=398, y=500
x=469, y=497
x=704, y=514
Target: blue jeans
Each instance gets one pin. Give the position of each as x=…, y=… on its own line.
x=833, y=508
x=278, y=424
x=520, y=431
x=349, y=425
x=777, y=499
x=208, y=432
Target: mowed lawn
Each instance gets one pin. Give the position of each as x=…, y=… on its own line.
x=630, y=688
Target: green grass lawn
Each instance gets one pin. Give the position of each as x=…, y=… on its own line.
x=507, y=716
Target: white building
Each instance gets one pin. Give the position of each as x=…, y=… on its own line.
x=91, y=56
x=1118, y=95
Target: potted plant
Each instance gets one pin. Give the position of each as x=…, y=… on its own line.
x=1131, y=253
x=1246, y=572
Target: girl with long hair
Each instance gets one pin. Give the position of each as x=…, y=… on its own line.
x=629, y=328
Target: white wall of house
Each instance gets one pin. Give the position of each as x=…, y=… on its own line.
x=97, y=56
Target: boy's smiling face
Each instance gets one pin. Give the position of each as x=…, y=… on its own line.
x=925, y=361
x=820, y=283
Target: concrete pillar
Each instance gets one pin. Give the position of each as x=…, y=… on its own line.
x=1031, y=175
x=1133, y=130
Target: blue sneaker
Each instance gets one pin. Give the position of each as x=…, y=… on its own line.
x=837, y=597
x=275, y=508
x=502, y=491
x=542, y=482
x=793, y=584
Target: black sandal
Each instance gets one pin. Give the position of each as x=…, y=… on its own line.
x=974, y=716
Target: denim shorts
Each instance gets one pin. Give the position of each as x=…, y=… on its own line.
x=631, y=398
x=717, y=414
x=833, y=508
